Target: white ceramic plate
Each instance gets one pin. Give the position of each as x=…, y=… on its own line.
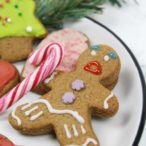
x=126, y=127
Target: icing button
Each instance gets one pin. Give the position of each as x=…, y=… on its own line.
x=106, y=58
x=112, y=55
x=93, y=53
x=68, y=98
x=28, y=29
x=78, y=85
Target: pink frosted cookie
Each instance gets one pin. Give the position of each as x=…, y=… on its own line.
x=74, y=44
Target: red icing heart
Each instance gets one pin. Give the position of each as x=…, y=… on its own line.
x=7, y=73
x=5, y=142
x=93, y=67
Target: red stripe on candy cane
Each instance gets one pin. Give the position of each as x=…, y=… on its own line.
x=49, y=58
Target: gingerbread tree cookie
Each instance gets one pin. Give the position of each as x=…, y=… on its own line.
x=18, y=27
x=67, y=108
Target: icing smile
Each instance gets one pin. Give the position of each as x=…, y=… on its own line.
x=93, y=67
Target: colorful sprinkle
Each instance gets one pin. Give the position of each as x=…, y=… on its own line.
x=78, y=85
x=95, y=47
x=112, y=55
x=16, y=6
x=20, y=14
x=68, y=98
x=9, y=20
x=29, y=29
x=1, y=5
x=93, y=53
x=106, y=58
x=7, y=1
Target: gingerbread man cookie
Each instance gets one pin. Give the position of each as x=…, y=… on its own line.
x=9, y=77
x=74, y=96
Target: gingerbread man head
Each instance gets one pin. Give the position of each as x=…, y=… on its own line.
x=67, y=108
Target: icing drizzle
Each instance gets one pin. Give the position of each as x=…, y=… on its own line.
x=88, y=140
x=75, y=114
x=68, y=134
x=106, y=106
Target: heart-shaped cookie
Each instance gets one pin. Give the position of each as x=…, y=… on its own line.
x=8, y=76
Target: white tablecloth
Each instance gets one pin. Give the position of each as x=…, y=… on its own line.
x=129, y=23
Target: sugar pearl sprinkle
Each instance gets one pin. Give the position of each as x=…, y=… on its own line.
x=8, y=20
x=106, y=58
x=29, y=29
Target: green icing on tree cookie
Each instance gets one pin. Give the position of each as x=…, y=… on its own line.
x=17, y=19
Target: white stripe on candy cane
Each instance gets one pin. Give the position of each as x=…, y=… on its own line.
x=32, y=80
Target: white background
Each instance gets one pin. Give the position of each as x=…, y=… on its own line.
x=129, y=23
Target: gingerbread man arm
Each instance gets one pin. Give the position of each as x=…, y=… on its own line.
x=29, y=116
x=103, y=104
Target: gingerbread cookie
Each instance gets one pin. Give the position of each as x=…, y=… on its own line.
x=4, y=141
x=9, y=77
x=73, y=42
x=67, y=108
x=18, y=28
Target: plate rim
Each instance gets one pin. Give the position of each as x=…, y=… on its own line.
x=141, y=76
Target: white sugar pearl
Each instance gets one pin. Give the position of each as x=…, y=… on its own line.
x=93, y=53
x=29, y=29
x=106, y=58
x=9, y=20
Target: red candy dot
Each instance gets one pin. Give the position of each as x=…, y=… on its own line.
x=1, y=5
x=7, y=1
x=6, y=18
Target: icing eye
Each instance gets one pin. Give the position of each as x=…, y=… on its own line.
x=93, y=53
x=106, y=58
x=95, y=47
x=112, y=55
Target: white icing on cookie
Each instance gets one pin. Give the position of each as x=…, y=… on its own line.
x=93, y=53
x=34, y=117
x=67, y=131
x=50, y=78
x=19, y=122
x=83, y=129
x=25, y=106
x=75, y=130
x=106, y=106
x=90, y=140
x=75, y=114
x=27, y=113
x=106, y=58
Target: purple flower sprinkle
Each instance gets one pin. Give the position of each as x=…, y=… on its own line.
x=68, y=97
x=78, y=85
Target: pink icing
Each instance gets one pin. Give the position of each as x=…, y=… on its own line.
x=74, y=44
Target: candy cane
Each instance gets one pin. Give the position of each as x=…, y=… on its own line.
x=50, y=56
